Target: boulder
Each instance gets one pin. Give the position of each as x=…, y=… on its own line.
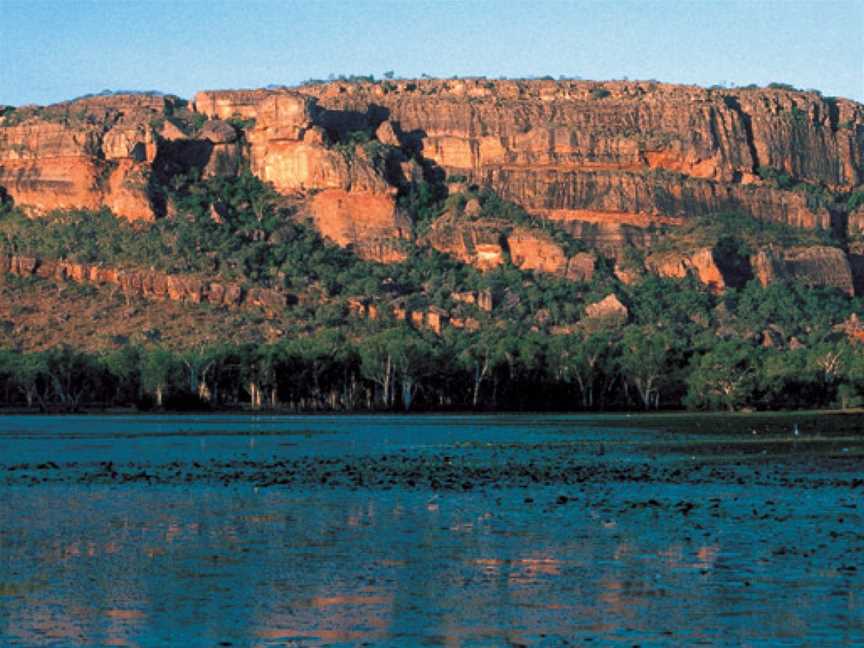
x=608, y=308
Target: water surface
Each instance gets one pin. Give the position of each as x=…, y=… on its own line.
x=446, y=530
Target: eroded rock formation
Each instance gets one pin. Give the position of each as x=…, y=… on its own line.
x=107, y=151
x=818, y=265
x=82, y=154
x=149, y=284
x=606, y=162
x=633, y=148
x=487, y=243
x=702, y=264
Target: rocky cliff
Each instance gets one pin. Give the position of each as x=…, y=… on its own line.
x=606, y=162
x=83, y=154
x=620, y=147
x=115, y=152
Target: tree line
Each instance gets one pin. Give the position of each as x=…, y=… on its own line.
x=397, y=368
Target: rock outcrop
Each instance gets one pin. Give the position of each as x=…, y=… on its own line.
x=107, y=152
x=482, y=299
x=370, y=223
x=609, y=309
x=534, y=250
x=84, y=154
x=487, y=243
x=702, y=264
x=817, y=265
x=149, y=284
x=225, y=104
x=351, y=201
x=480, y=243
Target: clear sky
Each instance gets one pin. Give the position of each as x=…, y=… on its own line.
x=52, y=50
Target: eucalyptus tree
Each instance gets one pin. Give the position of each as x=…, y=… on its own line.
x=725, y=376
x=645, y=361
x=159, y=368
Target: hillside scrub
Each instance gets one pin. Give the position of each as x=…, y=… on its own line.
x=682, y=348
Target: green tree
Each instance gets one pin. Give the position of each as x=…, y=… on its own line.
x=397, y=359
x=578, y=359
x=74, y=375
x=377, y=363
x=158, y=369
x=32, y=377
x=725, y=376
x=645, y=362
x=124, y=367
x=478, y=354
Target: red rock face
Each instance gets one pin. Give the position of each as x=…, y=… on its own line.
x=477, y=243
x=534, y=250
x=817, y=265
x=609, y=308
x=701, y=264
x=623, y=148
x=369, y=222
x=102, y=151
x=485, y=244
x=530, y=250
x=83, y=154
x=225, y=104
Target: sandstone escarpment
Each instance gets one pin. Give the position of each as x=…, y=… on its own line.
x=651, y=197
x=370, y=223
x=605, y=161
x=629, y=148
x=350, y=199
x=225, y=104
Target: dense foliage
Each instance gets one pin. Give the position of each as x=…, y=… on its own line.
x=681, y=346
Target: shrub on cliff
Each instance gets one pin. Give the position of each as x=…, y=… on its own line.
x=856, y=199
x=780, y=179
x=776, y=85
x=424, y=202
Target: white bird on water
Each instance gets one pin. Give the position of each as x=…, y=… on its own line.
x=795, y=430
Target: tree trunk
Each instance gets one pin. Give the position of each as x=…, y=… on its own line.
x=254, y=396
x=407, y=393
x=203, y=391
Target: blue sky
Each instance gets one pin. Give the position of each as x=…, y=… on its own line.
x=52, y=50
